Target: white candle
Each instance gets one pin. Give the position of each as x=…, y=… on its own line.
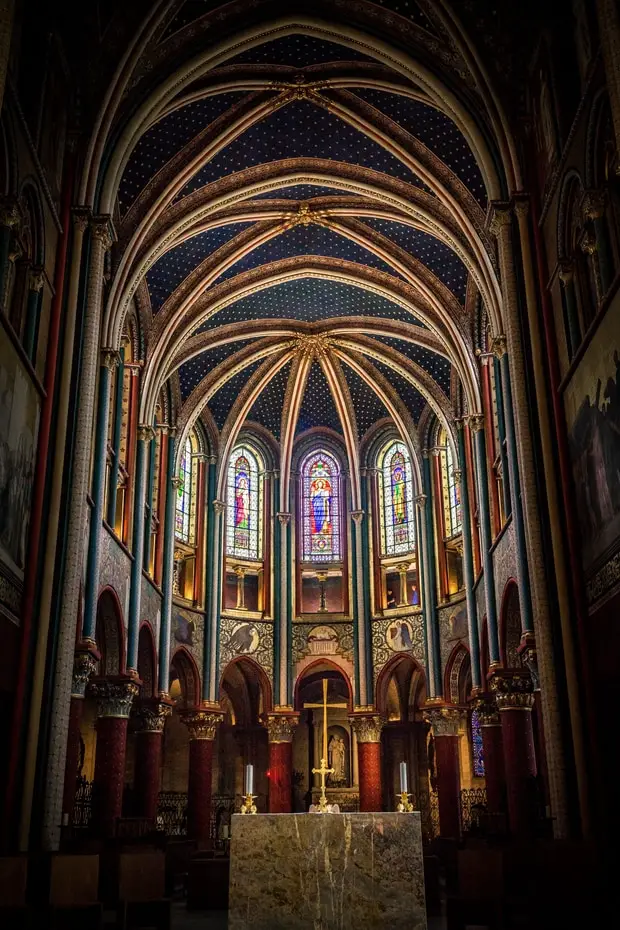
x=403, y=778
x=249, y=779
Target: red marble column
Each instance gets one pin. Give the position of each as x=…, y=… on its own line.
x=202, y=725
x=515, y=701
x=280, y=728
x=151, y=719
x=493, y=754
x=445, y=723
x=84, y=665
x=114, y=700
x=368, y=732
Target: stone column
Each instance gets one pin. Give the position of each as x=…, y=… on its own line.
x=515, y=699
x=145, y=437
x=402, y=577
x=432, y=673
x=476, y=424
x=566, y=275
x=445, y=721
x=282, y=631
x=280, y=728
x=167, y=568
x=114, y=699
x=210, y=678
x=150, y=720
x=493, y=754
x=202, y=724
x=239, y=571
x=367, y=728
x=359, y=562
x=460, y=475
x=84, y=665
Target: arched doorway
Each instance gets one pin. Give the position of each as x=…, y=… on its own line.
x=343, y=784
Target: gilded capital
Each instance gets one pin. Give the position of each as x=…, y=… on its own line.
x=420, y=500
x=488, y=714
x=513, y=691
x=499, y=346
x=444, y=719
x=80, y=219
x=150, y=716
x=367, y=727
x=114, y=697
x=202, y=724
x=10, y=214
x=176, y=482
x=476, y=422
x=84, y=666
x=588, y=242
x=280, y=727
x=458, y=473
x=566, y=272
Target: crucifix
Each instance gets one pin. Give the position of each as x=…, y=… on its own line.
x=323, y=771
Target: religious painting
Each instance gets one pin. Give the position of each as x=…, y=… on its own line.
x=396, y=500
x=183, y=630
x=399, y=635
x=19, y=426
x=244, y=639
x=457, y=624
x=592, y=407
x=244, y=505
x=322, y=641
x=321, y=508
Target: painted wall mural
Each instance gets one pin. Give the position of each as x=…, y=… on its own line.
x=404, y=634
x=452, y=629
x=187, y=629
x=592, y=407
x=246, y=638
x=20, y=408
x=504, y=562
x=115, y=570
x=310, y=639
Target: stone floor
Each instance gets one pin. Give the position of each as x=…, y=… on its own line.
x=182, y=919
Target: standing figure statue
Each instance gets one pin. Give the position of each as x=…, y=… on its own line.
x=336, y=753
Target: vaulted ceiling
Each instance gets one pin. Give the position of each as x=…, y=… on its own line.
x=303, y=227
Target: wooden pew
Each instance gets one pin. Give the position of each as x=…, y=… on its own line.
x=141, y=890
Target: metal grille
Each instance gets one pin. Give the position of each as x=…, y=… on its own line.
x=434, y=805
x=473, y=804
x=83, y=803
x=172, y=812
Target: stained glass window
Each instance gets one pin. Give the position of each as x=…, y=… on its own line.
x=451, y=489
x=184, y=494
x=397, y=506
x=244, y=505
x=321, y=508
x=476, y=740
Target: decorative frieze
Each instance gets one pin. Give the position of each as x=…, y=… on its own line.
x=367, y=727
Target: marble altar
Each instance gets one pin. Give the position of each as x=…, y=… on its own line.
x=348, y=871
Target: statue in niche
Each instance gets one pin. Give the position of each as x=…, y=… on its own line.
x=336, y=752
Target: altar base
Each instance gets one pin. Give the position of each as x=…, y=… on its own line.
x=348, y=871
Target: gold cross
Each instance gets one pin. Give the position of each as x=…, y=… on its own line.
x=323, y=770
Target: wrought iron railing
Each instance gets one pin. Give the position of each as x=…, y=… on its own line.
x=83, y=803
x=172, y=812
x=473, y=806
x=434, y=813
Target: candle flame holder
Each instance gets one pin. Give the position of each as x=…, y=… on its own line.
x=404, y=805
x=248, y=806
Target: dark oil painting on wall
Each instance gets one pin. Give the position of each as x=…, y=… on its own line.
x=592, y=405
x=19, y=425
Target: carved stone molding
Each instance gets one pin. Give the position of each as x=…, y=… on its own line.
x=513, y=691
x=499, y=346
x=281, y=727
x=114, y=696
x=445, y=720
x=84, y=666
x=102, y=231
x=145, y=432
x=488, y=714
x=109, y=358
x=367, y=727
x=150, y=716
x=357, y=516
x=284, y=518
x=219, y=507
x=476, y=422
x=201, y=723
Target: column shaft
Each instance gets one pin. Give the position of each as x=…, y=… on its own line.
x=520, y=764
x=199, y=790
x=167, y=569
x=486, y=540
x=145, y=434
x=109, y=774
x=147, y=772
x=468, y=568
x=73, y=756
x=280, y=778
x=448, y=785
x=494, y=768
x=434, y=641
x=369, y=762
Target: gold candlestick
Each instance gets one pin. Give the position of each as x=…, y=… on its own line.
x=248, y=806
x=404, y=805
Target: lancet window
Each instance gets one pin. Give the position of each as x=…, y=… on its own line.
x=451, y=492
x=321, y=508
x=244, y=510
x=396, y=500
x=185, y=514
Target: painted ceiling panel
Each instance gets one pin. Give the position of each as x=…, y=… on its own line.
x=268, y=408
x=412, y=399
x=188, y=13
x=308, y=240
x=368, y=407
x=165, y=139
x=192, y=372
x=317, y=407
x=299, y=192
x=436, y=130
x=310, y=300
x=437, y=256
x=300, y=130
x=298, y=51
x=221, y=403
x=436, y=365
x=173, y=267
x=409, y=10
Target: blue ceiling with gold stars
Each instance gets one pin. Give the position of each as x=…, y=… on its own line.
x=303, y=127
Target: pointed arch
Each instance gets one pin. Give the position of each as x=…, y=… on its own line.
x=183, y=669
x=110, y=632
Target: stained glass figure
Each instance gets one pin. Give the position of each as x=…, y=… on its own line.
x=476, y=739
x=184, y=495
x=321, y=508
x=244, y=505
x=397, y=510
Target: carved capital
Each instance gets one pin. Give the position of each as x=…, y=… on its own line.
x=202, y=723
x=566, y=272
x=176, y=482
x=458, y=473
x=593, y=204
x=84, y=666
x=36, y=279
x=280, y=727
x=367, y=727
x=219, y=507
x=476, y=422
x=445, y=719
x=145, y=432
x=420, y=500
x=500, y=218
x=499, y=346
x=513, y=691
x=101, y=229
x=150, y=716
x=114, y=696
x=80, y=219
x=357, y=516
x=522, y=207
x=588, y=243
x=284, y=518
x=529, y=658
x=10, y=214
x=488, y=714
x=109, y=358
